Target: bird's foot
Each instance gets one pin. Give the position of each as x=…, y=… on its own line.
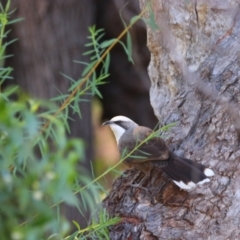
x=140, y=184
x=137, y=186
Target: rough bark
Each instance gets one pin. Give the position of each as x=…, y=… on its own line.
x=50, y=37
x=194, y=71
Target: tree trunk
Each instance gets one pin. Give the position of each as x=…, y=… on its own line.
x=50, y=37
x=194, y=71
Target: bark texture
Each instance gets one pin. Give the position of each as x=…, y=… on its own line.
x=194, y=71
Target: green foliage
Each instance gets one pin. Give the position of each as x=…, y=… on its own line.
x=4, y=21
x=150, y=21
x=35, y=172
x=128, y=48
x=98, y=229
x=39, y=164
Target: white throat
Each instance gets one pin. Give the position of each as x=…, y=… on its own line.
x=118, y=131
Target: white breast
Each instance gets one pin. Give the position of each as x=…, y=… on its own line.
x=118, y=131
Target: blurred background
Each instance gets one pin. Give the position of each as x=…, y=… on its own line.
x=50, y=37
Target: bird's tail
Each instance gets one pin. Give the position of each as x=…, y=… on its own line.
x=186, y=173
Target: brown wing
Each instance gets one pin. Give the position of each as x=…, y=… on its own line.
x=153, y=149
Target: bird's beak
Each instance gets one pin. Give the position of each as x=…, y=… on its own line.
x=106, y=123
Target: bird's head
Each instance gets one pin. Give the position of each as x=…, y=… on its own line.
x=120, y=125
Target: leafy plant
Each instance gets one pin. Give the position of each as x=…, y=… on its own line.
x=4, y=21
x=39, y=164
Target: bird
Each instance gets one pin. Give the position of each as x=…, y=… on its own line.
x=153, y=152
